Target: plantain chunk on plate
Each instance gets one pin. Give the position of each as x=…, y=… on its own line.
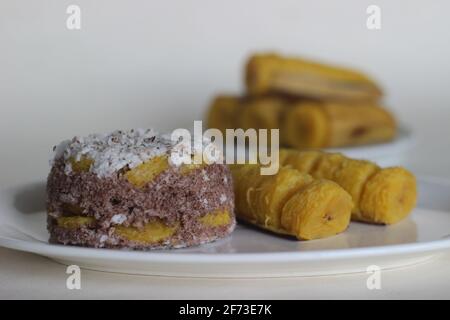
x=231, y=112
x=380, y=195
x=290, y=202
x=271, y=73
x=223, y=112
x=332, y=124
x=305, y=123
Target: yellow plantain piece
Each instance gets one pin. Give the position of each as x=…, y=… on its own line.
x=262, y=113
x=231, y=112
x=291, y=202
x=326, y=167
x=246, y=180
x=305, y=126
x=217, y=218
x=388, y=196
x=152, y=232
x=306, y=123
x=223, y=112
x=352, y=175
x=303, y=162
x=273, y=192
x=331, y=124
x=82, y=165
x=320, y=210
x=74, y=222
x=271, y=73
x=147, y=171
x=380, y=195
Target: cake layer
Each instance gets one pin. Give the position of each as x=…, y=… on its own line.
x=145, y=202
x=155, y=234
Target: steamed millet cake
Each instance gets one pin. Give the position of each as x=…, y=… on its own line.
x=121, y=190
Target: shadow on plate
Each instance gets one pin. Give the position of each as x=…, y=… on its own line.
x=30, y=198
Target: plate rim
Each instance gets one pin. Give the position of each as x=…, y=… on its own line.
x=50, y=250
x=47, y=249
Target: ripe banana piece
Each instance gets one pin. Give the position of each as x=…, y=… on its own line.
x=380, y=195
x=291, y=202
x=223, y=112
x=331, y=124
x=231, y=112
x=262, y=113
x=271, y=73
x=305, y=123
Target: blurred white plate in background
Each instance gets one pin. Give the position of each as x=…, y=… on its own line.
x=384, y=154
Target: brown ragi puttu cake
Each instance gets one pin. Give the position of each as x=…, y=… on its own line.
x=122, y=190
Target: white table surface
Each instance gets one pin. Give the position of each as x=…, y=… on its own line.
x=24, y=275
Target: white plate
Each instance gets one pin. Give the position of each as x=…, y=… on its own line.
x=248, y=252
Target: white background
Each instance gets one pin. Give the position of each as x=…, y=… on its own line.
x=158, y=63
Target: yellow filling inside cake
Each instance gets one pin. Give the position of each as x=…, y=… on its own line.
x=142, y=174
x=152, y=232
x=83, y=165
x=146, y=172
x=216, y=218
x=187, y=168
x=74, y=222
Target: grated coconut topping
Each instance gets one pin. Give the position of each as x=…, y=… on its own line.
x=113, y=151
